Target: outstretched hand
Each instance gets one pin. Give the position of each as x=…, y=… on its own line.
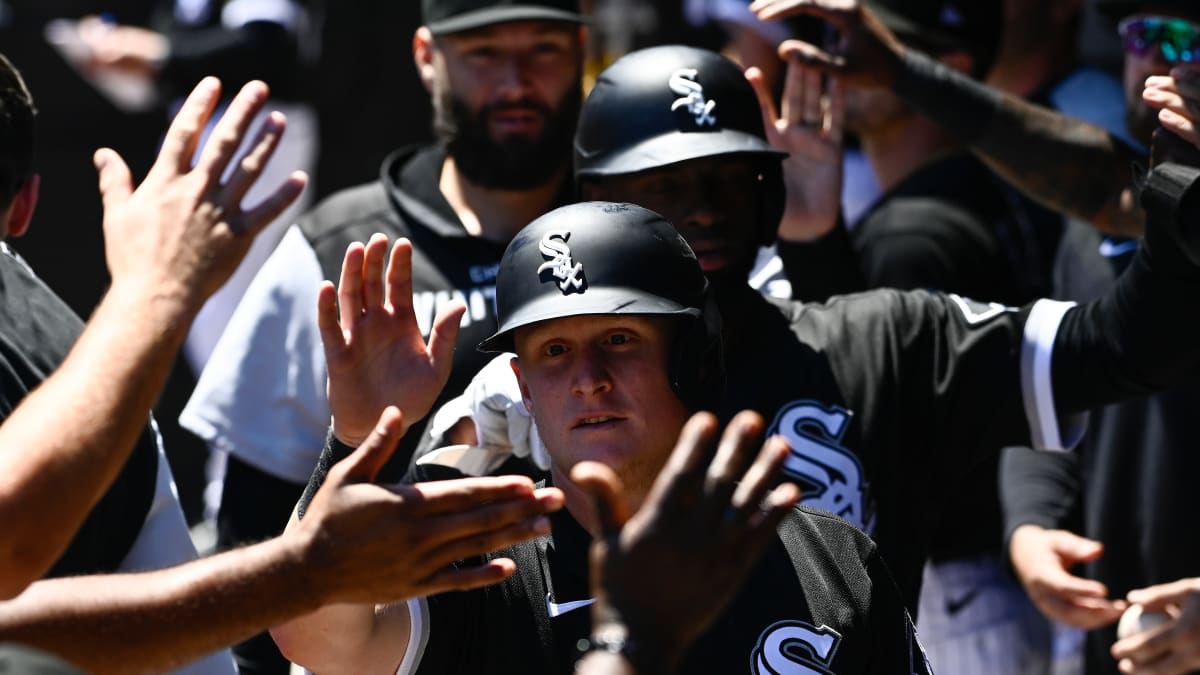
x=184, y=230
x=663, y=575
x=809, y=127
x=374, y=349
x=1172, y=648
x=377, y=545
x=867, y=54
x=1042, y=560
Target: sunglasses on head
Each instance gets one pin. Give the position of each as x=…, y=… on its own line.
x=1177, y=40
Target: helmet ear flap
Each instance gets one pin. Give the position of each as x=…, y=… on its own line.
x=697, y=366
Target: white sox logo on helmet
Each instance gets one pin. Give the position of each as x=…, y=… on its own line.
x=558, y=261
x=683, y=82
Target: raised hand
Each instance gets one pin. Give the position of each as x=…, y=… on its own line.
x=1177, y=98
x=867, y=53
x=1043, y=560
x=664, y=574
x=376, y=545
x=1172, y=648
x=374, y=349
x=809, y=127
x=184, y=231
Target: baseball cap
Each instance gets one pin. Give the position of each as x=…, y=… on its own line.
x=452, y=16
x=1119, y=9
x=973, y=26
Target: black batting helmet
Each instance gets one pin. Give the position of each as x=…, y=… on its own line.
x=664, y=105
x=608, y=258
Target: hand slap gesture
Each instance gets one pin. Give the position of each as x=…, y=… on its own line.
x=378, y=545
x=666, y=573
x=374, y=349
x=809, y=127
x=183, y=231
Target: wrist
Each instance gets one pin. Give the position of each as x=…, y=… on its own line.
x=644, y=652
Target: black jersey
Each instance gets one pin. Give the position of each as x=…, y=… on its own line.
x=820, y=601
x=37, y=330
x=887, y=397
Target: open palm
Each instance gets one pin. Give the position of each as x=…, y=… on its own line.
x=374, y=349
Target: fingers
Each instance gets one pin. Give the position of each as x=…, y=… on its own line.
x=467, y=578
x=444, y=336
x=261, y=215
x=1148, y=647
x=835, y=123
x=489, y=539
x=227, y=135
x=350, y=303
x=813, y=113
x=1159, y=596
x=363, y=465
x=733, y=458
x=766, y=102
x=682, y=479
x=251, y=166
x=372, y=271
x=757, y=484
x=810, y=56
x=1073, y=548
x=332, y=337
x=179, y=144
x=399, y=278
x=455, y=496
x=116, y=183
x=1085, y=613
x=605, y=487
x=791, y=107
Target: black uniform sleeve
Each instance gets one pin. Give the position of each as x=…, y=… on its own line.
x=1145, y=334
x=821, y=269
x=1040, y=488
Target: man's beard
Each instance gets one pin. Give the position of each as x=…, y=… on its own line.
x=517, y=163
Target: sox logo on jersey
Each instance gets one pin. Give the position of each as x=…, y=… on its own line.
x=833, y=475
x=795, y=648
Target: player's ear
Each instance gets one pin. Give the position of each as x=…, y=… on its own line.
x=525, y=397
x=24, y=201
x=423, y=56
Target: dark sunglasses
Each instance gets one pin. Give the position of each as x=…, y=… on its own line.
x=1178, y=40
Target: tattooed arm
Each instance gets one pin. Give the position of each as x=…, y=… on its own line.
x=1067, y=164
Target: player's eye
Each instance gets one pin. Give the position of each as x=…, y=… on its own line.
x=556, y=350
x=620, y=339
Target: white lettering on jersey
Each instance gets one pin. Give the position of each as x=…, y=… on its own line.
x=833, y=475
x=976, y=312
x=795, y=648
x=480, y=302
x=558, y=260
x=683, y=82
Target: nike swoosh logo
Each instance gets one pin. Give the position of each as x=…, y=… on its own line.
x=1116, y=249
x=954, y=606
x=555, y=609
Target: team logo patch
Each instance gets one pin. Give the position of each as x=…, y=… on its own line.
x=795, y=648
x=691, y=97
x=559, y=262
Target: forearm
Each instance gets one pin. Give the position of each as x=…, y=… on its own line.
x=156, y=621
x=822, y=268
x=65, y=443
x=1066, y=164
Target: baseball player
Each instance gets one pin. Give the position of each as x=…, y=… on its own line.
x=885, y=397
x=605, y=306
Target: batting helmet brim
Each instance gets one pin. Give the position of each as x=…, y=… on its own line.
x=673, y=148
x=599, y=301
